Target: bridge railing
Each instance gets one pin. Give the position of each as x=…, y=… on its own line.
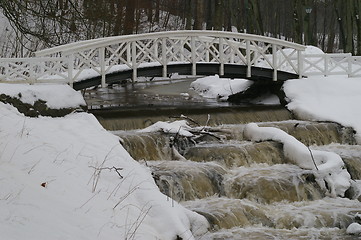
x=103, y=56
x=354, y=66
x=33, y=70
x=326, y=64
x=99, y=57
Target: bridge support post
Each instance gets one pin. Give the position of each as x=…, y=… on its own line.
x=70, y=69
x=194, y=60
x=221, y=57
x=31, y=73
x=129, y=54
x=327, y=62
x=300, y=64
x=102, y=66
x=134, y=61
x=164, y=57
x=274, y=60
x=248, y=58
x=349, y=66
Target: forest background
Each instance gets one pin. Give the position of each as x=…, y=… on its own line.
x=332, y=25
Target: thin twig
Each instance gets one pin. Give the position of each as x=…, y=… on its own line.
x=208, y=118
x=109, y=168
x=313, y=159
x=205, y=133
x=22, y=130
x=205, y=126
x=186, y=118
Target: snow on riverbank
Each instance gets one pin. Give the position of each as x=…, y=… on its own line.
x=68, y=178
x=56, y=96
x=333, y=98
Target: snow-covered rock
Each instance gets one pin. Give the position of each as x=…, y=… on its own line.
x=354, y=229
x=219, y=88
x=328, y=166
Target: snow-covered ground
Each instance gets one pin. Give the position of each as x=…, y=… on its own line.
x=68, y=178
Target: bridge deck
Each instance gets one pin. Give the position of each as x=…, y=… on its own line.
x=203, y=69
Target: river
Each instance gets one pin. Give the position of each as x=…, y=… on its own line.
x=246, y=190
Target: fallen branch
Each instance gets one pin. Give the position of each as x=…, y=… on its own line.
x=186, y=118
x=205, y=133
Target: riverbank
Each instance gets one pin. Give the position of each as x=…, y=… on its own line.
x=68, y=178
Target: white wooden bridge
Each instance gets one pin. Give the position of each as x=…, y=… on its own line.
x=108, y=60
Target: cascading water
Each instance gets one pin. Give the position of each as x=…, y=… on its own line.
x=251, y=190
x=246, y=190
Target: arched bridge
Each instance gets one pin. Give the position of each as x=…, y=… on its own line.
x=109, y=60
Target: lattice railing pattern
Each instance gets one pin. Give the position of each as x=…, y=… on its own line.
x=327, y=64
x=31, y=70
x=103, y=56
x=355, y=66
x=98, y=57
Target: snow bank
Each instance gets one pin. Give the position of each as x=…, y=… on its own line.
x=333, y=98
x=56, y=96
x=330, y=167
x=220, y=88
x=68, y=178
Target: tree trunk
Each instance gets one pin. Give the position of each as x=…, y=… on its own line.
x=210, y=13
x=189, y=15
x=199, y=18
x=118, y=19
x=257, y=17
x=157, y=11
x=129, y=17
x=358, y=26
x=218, y=16
x=297, y=17
x=349, y=26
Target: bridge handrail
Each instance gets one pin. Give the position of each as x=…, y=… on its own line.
x=31, y=70
x=190, y=46
x=327, y=64
x=102, y=42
